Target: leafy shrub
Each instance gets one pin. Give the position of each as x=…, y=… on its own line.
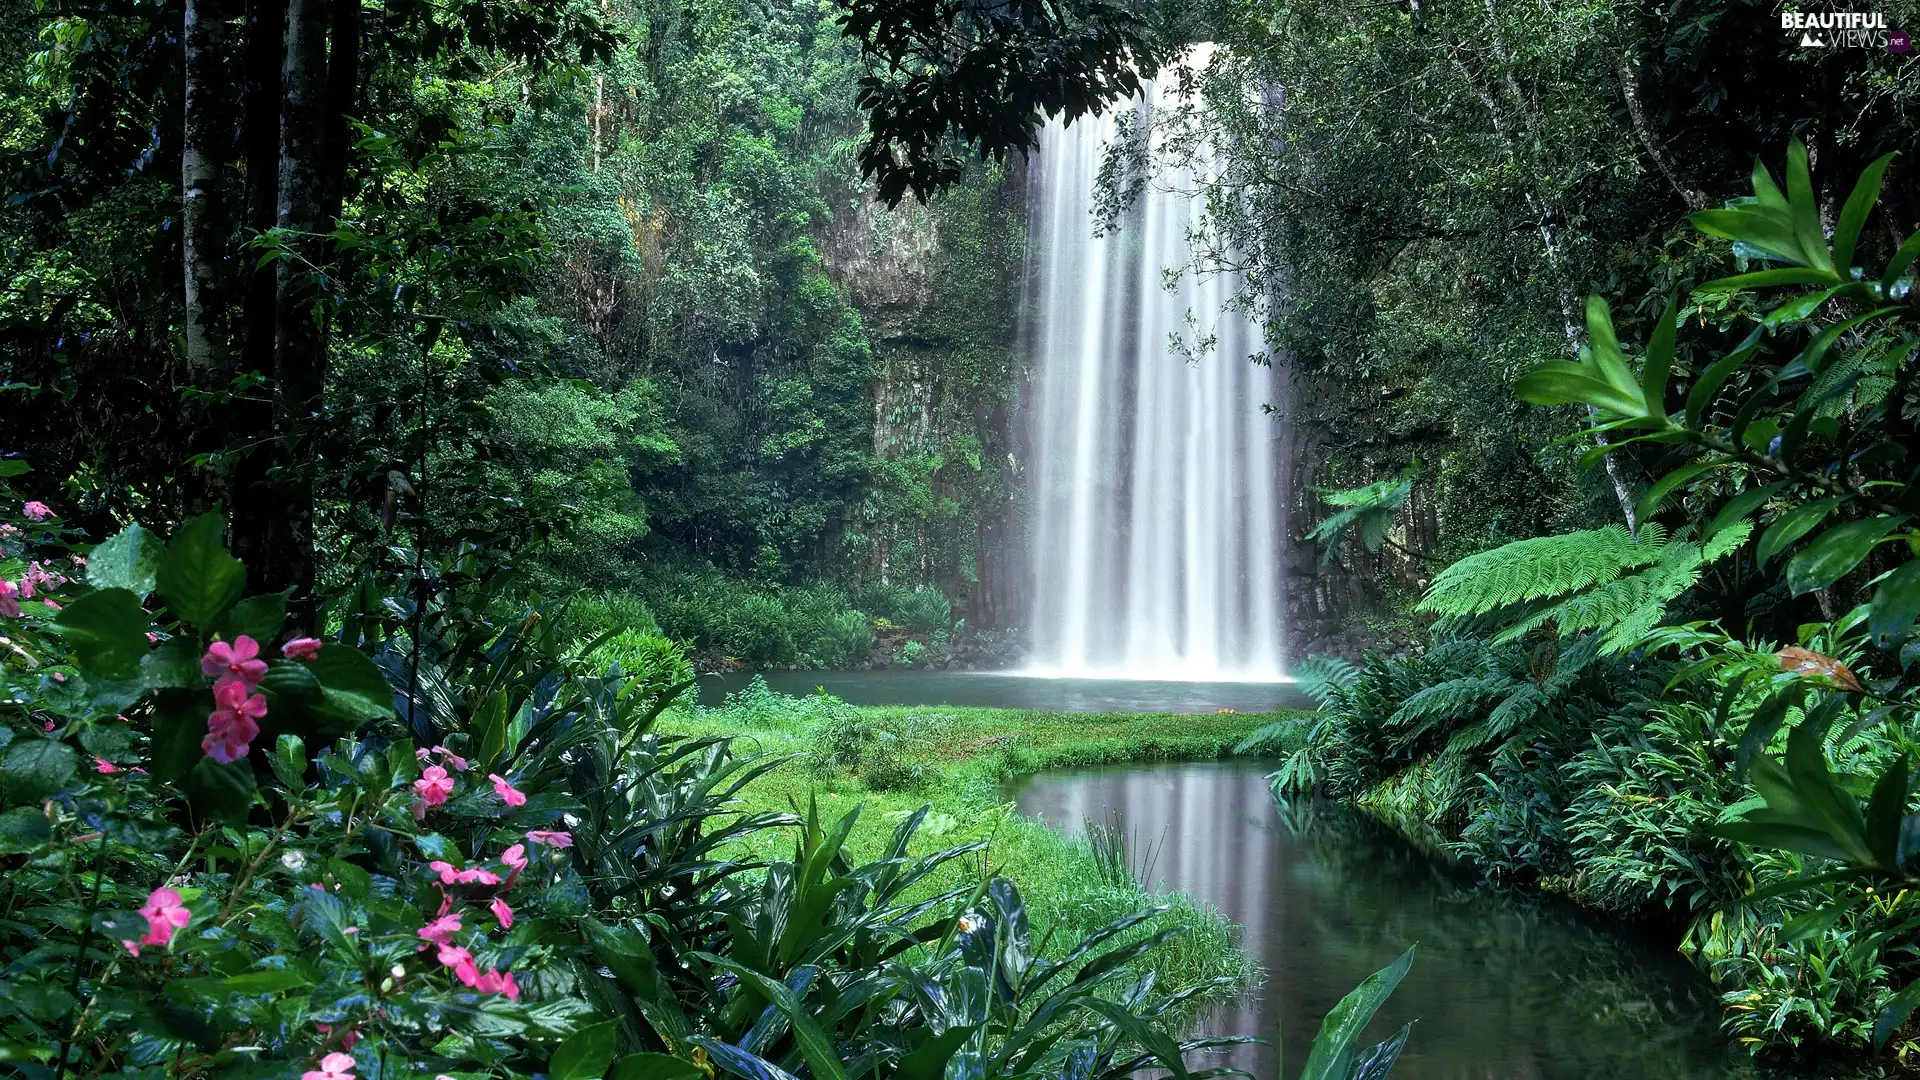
x=922, y=609
x=657, y=666
x=763, y=626
x=258, y=873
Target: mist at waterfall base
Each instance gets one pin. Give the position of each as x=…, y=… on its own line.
x=1157, y=510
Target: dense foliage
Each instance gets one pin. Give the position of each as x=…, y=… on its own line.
x=1622, y=731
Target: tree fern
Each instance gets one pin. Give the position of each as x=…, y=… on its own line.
x=1322, y=678
x=1594, y=580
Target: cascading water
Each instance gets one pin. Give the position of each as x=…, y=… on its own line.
x=1158, y=524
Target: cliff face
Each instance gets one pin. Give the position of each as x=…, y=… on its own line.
x=938, y=289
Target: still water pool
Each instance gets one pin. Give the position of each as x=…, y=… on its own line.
x=1005, y=690
x=1503, y=988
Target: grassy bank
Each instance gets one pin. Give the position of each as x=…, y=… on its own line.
x=891, y=761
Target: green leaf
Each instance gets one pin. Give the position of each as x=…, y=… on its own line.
x=816, y=1046
x=1657, y=494
x=277, y=981
x=491, y=722
x=1896, y=1012
x=1760, y=279
x=179, y=725
x=585, y=1054
x=1332, y=1050
x=23, y=829
x=1605, y=347
x=1885, y=810
x=1799, y=307
x=1738, y=507
x=1659, y=362
x=1791, y=526
x=1816, y=922
x=108, y=632
x=258, y=617
x=1765, y=191
x=1837, y=552
x=174, y=664
x=197, y=578
x=1560, y=383
x=1896, y=604
x=219, y=792
x=1806, y=839
x=1903, y=258
x=1853, y=217
x=128, y=560
x=928, y=1061
x=36, y=768
x=289, y=761
x=1805, y=208
x=1751, y=227
x=655, y=1067
x=352, y=681
x=14, y=467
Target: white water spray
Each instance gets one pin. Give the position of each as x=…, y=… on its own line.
x=1158, y=527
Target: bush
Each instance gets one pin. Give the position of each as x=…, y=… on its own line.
x=654, y=663
x=289, y=881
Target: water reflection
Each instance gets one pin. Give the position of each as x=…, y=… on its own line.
x=1504, y=988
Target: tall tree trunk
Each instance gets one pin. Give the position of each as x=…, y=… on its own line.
x=201, y=155
x=250, y=418
x=299, y=353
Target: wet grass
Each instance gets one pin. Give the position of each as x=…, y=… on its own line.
x=958, y=761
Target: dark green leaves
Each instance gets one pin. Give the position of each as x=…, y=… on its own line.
x=1896, y=604
x=36, y=768
x=219, y=792
x=197, y=578
x=1866, y=192
x=585, y=1054
x=258, y=617
x=352, y=683
x=129, y=560
x=107, y=630
x=1837, y=552
x=1332, y=1056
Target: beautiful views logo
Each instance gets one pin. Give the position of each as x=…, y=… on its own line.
x=1845, y=29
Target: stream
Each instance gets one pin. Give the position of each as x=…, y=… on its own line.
x=1504, y=987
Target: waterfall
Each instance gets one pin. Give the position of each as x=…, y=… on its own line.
x=1158, y=515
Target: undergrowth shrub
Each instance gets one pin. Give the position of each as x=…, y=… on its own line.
x=229, y=858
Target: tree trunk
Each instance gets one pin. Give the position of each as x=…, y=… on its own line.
x=201, y=218
x=249, y=418
x=299, y=352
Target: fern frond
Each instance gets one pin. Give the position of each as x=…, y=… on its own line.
x=1446, y=701
x=1544, y=566
x=1324, y=678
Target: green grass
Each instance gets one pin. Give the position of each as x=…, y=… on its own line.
x=958, y=761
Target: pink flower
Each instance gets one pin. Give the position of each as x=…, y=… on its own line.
x=424, y=753
x=461, y=961
x=165, y=914
x=441, y=930
x=104, y=767
x=515, y=858
x=496, y=981
x=451, y=876
x=301, y=648
x=51, y=606
x=332, y=1067
x=37, y=511
x=241, y=658
x=550, y=838
x=502, y=912
x=232, y=694
x=9, y=599
x=230, y=734
x=434, y=785
x=509, y=794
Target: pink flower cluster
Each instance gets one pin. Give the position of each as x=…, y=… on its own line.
x=36, y=510
x=165, y=913
x=234, y=722
x=439, y=933
x=9, y=599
